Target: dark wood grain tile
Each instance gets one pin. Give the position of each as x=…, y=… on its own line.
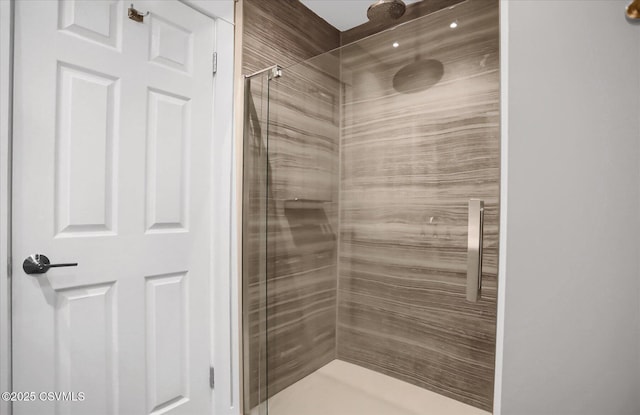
x=414, y=11
x=283, y=32
x=298, y=260
x=408, y=163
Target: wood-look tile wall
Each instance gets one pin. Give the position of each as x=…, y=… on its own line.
x=301, y=251
x=413, y=11
x=410, y=162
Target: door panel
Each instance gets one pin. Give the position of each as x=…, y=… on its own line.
x=78, y=311
x=166, y=315
x=171, y=45
x=112, y=128
x=85, y=143
x=99, y=22
x=167, y=162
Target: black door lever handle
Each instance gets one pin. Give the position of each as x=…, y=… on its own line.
x=39, y=264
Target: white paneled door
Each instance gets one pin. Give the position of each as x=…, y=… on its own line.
x=112, y=170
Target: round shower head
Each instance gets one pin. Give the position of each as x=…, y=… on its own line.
x=418, y=76
x=384, y=9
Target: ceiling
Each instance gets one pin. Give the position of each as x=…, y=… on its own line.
x=343, y=14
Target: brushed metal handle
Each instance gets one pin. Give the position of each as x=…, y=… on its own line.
x=474, y=249
x=39, y=264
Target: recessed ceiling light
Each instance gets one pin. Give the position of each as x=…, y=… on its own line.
x=395, y=44
x=453, y=25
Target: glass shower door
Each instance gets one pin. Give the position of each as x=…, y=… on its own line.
x=420, y=148
x=380, y=195
x=254, y=242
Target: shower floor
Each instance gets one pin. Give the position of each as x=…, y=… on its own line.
x=341, y=388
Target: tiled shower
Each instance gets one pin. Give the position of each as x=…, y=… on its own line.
x=360, y=161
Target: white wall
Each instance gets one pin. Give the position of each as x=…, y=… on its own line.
x=572, y=286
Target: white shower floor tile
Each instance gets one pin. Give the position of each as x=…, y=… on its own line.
x=341, y=388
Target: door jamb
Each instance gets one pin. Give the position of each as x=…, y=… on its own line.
x=225, y=334
x=504, y=181
x=6, y=115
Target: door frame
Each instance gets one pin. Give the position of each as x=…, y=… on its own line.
x=6, y=116
x=504, y=181
x=224, y=281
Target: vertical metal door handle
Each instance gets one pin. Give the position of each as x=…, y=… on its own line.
x=474, y=249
